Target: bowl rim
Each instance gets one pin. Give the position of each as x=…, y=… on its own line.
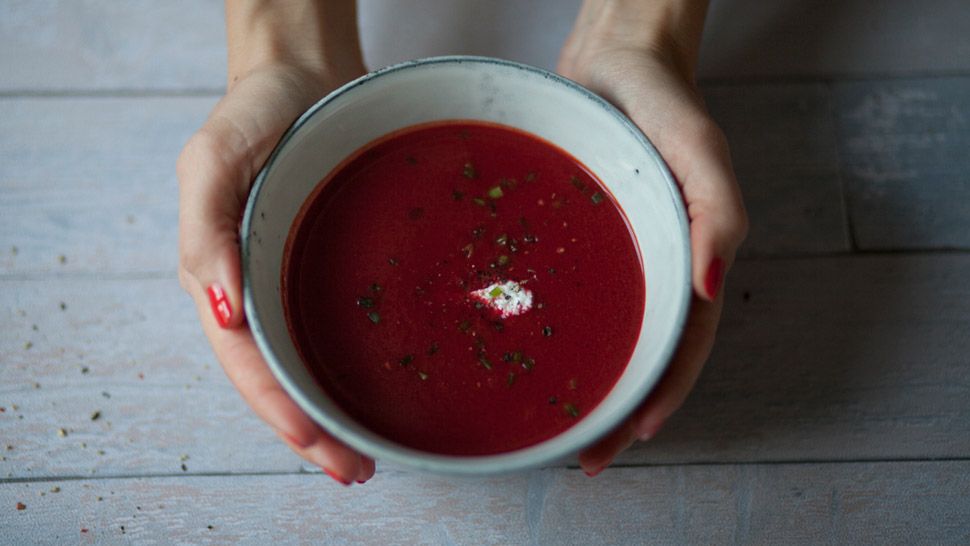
x=531, y=456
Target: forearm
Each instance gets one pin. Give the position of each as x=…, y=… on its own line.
x=672, y=27
x=316, y=35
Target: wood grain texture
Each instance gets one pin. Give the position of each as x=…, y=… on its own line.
x=783, y=143
x=749, y=38
x=132, y=351
x=860, y=503
x=904, y=150
x=828, y=359
x=92, y=180
x=832, y=359
x=91, y=45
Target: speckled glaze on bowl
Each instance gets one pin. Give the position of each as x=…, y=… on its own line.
x=498, y=91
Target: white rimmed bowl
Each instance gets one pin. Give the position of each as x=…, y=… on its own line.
x=472, y=88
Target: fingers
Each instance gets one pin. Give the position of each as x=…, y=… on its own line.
x=669, y=394
x=255, y=382
x=215, y=170
x=718, y=222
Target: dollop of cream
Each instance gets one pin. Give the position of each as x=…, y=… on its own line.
x=508, y=298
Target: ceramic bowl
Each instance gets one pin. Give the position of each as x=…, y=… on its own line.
x=470, y=88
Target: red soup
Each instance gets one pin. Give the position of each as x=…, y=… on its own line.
x=463, y=288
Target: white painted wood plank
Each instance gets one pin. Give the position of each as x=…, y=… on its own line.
x=832, y=359
x=783, y=145
x=829, y=359
x=92, y=180
x=751, y=38
x=91, y=45
x=132, y=351
x=904, y=149
x=880, y=503
x=62, y=45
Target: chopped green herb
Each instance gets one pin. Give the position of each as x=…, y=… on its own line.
x=531, y=239
x=511, y=379
x=479, y=201
x=485, y=362
x=477, y=232
x=572, y=384
x=392, y=261
x=552, y=400
x=495, y=192
x=433, y=349
x=577, y=183
x=596, y=198
x=495, y=292
x=374, y=317
x=405, y=360
x=528, y=363
x=517, y=356
x=423, y=376
x=507, y=357
x=375, y=287
x=552, y=270
x=503, y=260
x=498, y=326
x=508, y=183
x=479, y=305
x=464, y=325
x=547, y=331
x=570, y=410
x=469, y=171
x=365, y=302
x=530, y=176
x=502, y=239
x=457, y=195
x=468, y=250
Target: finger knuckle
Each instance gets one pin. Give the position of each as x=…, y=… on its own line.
x=201, y=148
x=190, y=259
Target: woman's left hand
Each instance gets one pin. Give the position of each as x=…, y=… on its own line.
x=649, y=76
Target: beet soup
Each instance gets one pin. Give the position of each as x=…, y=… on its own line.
x=463, y=288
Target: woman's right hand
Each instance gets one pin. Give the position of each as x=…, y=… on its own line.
x=269, y=87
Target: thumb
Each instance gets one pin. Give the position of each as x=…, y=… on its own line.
x=212, y=190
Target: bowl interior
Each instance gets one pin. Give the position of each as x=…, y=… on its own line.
x=526, y=98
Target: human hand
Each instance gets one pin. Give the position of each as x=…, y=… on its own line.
x=644, y=64
x=267, y=91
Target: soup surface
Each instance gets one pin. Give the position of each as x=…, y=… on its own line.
x=463, y=288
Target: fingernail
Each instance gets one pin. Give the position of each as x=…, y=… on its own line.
x=649, y=432
x=220, y=304
x=361, y=481
x=335, y=477
x=715, y=274
x=594, y=473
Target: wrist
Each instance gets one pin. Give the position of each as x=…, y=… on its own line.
x=669, y=28
x=317, y=37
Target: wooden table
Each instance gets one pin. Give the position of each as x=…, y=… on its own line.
x=835, y=409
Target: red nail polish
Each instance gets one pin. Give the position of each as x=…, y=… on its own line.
x=715, y=274
x=335, y=477
x=592, y=474
x=361, y=481
x=220, y=304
